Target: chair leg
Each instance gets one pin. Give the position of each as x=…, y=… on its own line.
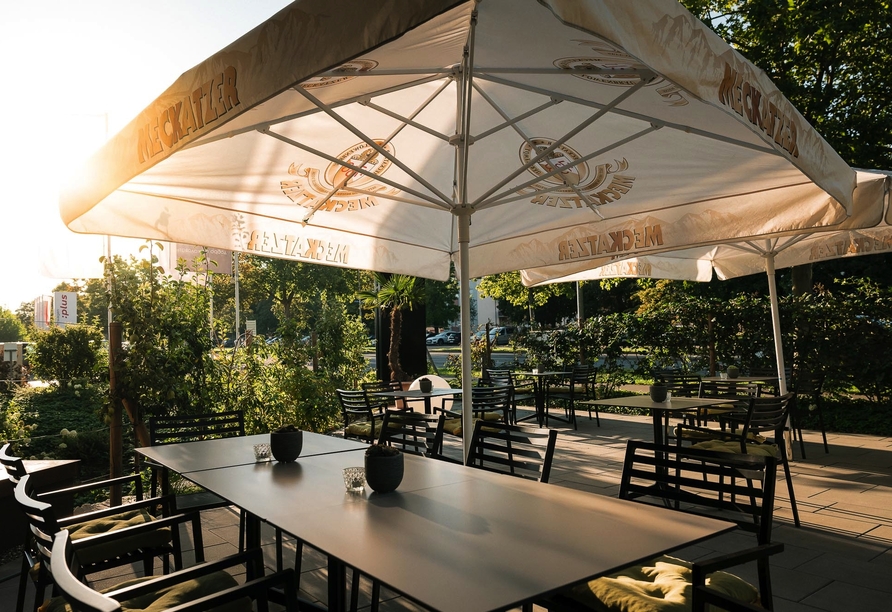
x=23, y=584
x=821, y=422
x=789, y=477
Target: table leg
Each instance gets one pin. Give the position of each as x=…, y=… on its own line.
x=427, y=405
x=658, y=426
x=337, y=585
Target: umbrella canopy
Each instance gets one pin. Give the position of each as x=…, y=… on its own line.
x=866, y=232
x=366, y=135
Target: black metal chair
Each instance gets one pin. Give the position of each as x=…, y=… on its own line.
x=514, y=450
x=362, y=414
x=580, y=385
x=202, y=587
x=113, y=537
x=738, y=395
x=378, y=386
x=413, y=432
x=192, y=428
x=680, y=384
x=522, y=391
x=738, y=488
x=488, y=404
x=765, y=415
x=808, y=397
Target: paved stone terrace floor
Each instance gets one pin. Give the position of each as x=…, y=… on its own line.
x=839, y=560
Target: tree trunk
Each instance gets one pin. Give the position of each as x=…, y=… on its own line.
x=801, y=279
x=396, y=323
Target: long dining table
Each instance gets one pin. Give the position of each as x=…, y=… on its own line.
x=451, y=537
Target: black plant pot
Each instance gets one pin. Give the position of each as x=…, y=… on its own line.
x=286, y=445
x=425, y=385
x=658, y=393
x=384, y=474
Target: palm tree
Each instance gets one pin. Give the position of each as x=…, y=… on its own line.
x=395, y=292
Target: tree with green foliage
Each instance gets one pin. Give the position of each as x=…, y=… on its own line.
x=441, y=302
x=65, y=354
x=394, y=292
x=11, y=329
x=509, y=288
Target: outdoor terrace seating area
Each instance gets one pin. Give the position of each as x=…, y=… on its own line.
x=839, y=559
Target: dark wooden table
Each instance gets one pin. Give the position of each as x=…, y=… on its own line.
x=418, y=394
x=454, y=538
x=540, y=387
x=187, y=457
x=658, y=410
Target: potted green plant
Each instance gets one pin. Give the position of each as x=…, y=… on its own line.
x=395, y=292
x=286, y=443
x=383, y=468
x=733, y=371
x=658, y=390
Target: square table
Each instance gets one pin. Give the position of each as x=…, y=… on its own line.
x=540, y=386
x=186, y=457
x=658, y=409
x=740, y=379
x=451, y=537
x=418, y=394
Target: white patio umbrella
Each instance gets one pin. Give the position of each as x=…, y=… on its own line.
x=370, y=135
x=866, y=232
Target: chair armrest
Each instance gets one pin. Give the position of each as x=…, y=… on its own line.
x=167, y=521
x=136, y=590
x=91, y=486
x=164, y=500
x=249, y=588
x=701, y=594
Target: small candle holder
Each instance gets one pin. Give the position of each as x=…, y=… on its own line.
x=262, y=453
x=354, y=479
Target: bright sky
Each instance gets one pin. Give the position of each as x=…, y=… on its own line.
x=68, y=68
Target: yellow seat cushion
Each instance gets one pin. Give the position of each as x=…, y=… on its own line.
x=167, y=598
x=733, y=447
x=363, y=429
x=662, y=584
x=109, y=550
x=454, y=426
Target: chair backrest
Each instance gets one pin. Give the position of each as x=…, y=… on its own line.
x=729, y=389
x=380, y=386
x=65, y=569
x=509, y=449
x=491, y=399
x=41, y=517
x=679, y=383
x=191, y=428
x=353, y=401
x=413, y=432
x=15, y=467
x=498, y=377
x=739, y=488
x=768, y=415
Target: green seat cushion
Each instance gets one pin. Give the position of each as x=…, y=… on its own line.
x=454, y=426
x=662, y=584
x=154, y=538
x=167, y=598
x=363, y=429
x=719, y=446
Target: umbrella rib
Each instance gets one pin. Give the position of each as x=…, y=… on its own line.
x=496, y=200
x=523, y=135
x=410, y=120
x=360, y=170
x=632, y=115
x=374, y=145
x=511, y=122
x=258, y=127
x=544, y=153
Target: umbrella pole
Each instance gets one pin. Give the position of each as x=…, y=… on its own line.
x=778, y=345
x=467, y=415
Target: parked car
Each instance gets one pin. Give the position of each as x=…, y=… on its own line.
x=439, y=339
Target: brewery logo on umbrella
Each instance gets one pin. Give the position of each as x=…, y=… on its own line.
x=352, y=187
x=575, y=178
x=358, y=65
x=607, y=57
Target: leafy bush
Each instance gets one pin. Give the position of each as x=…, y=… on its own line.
x=69, y=353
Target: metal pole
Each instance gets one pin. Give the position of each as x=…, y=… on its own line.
x=115, y=430
x=778, y=344
x=237, y=309
x=467, y=416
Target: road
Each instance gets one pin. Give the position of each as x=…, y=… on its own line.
x=440, y=356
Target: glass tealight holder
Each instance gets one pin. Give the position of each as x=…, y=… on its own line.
x=668, y=396
x=354, y=479
x=262, y=453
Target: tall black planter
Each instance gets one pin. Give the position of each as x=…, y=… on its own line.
x=286, y=445
x=384, y=474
